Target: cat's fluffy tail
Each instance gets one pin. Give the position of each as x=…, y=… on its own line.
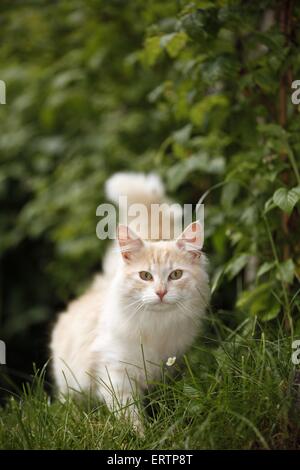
x=138, y=187
x=146, y=189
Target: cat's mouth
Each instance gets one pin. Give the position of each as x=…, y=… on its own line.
x=161, y=303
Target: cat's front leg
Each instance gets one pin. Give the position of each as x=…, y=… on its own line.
x=122, y=394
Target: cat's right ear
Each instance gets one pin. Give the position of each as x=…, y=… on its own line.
x=192, y=239
x=129, y=242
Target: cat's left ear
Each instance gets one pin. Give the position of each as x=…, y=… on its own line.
x=129, y=242
x=192, y=239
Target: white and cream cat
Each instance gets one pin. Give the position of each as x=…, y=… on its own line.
x=145, y=308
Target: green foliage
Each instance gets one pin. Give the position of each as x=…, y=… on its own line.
x=286, y=199
x=187, y=89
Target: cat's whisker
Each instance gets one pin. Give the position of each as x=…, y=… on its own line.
x=133, y=312
x=185, y=310
x=132, y=304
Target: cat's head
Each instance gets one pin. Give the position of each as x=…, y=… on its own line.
x=163, y=274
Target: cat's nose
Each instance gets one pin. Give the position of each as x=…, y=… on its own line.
x=161, y=293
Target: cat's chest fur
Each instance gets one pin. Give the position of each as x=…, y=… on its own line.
x=147, y=342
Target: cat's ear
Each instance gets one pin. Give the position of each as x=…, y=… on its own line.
x=129, y=242
x=192, y=239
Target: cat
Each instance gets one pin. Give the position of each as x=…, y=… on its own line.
x=143, y=309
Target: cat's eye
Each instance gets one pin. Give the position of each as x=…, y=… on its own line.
x=177, y=274
x=146, y=276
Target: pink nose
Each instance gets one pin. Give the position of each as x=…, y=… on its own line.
x=161, y=293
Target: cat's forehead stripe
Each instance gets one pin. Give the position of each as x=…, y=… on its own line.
x=160, y=255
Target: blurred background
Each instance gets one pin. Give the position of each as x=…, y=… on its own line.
x=199, y=92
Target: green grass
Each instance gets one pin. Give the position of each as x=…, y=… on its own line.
x=238, y=393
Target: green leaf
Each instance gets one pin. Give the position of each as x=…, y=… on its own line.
x=178, y=173
x=200, y=110
x=265, y=268
x=182, y=135
x=152, y=49
x=236, y=265
x=265, y=80
x=273, y=130
x=269, y=205
x=295, y=194
x=229, y=194
x=205, y=5
x=247, y=297
x=260, y=301
x=286, y=199
x=272, y=312
x=174, y=43
x=286, y=271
